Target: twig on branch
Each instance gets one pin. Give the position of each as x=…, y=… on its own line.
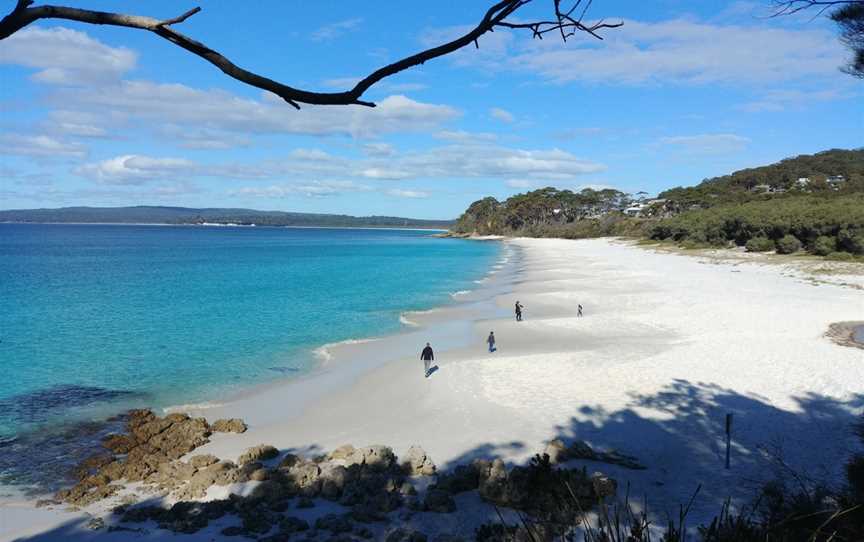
x=565, y=23
x=790, y=7
x=181, y=18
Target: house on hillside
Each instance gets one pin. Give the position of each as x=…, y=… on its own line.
x=635, y=209
x=835, y=181
x=802, y=182
x=648, y=207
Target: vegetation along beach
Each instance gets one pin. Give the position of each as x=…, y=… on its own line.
x=514, y=271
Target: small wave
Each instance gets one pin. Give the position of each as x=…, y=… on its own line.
x=482, y=281
x=324, y=354
x=405, y=321
x=191, y=406
x=356, y=341
x=460, y=293
x=407, y=316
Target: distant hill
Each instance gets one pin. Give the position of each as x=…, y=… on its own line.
x=782, y=177
x=810, y=202
x=185, y=215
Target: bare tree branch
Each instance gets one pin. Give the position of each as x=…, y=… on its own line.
x=789, y=7
x=23, y=14
x=849, y=16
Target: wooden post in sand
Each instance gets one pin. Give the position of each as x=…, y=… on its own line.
x=728, y=437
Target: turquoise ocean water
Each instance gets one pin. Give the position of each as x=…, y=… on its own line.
x=95, y=318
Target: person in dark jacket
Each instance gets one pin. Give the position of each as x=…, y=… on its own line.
x=428, y=356
x=491, y=341
x=519, y=308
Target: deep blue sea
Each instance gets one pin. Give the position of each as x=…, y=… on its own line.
x=95, y=318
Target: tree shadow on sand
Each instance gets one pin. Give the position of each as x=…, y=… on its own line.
x=678, y=435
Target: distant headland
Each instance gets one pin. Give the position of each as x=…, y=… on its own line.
x=146, y=214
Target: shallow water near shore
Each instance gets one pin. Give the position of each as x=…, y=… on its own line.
x=104, y=318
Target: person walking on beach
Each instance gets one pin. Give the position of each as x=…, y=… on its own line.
x=579, y=312
x=491, y=341
x=519, y=308
x=428, y=356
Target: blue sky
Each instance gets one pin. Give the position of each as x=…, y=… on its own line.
x=683, y=91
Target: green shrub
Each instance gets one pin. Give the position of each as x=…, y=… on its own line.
x=788, y=244
x=759, y=244
x=840, y=256
x=851, y=241
x=824, y=246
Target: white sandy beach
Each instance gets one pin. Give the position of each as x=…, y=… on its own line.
x=668, y=345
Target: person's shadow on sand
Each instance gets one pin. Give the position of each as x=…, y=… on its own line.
x=431, y=371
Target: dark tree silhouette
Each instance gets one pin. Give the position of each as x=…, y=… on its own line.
x=566, y=21
x=849, y=16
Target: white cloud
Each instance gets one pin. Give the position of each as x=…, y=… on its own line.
x=134, y=169
x=497, y=162
x=386, y=173
x=379, y=149
x=414, y=194
x=334, y=30
x=461, y=136
x=674, y=51
x=93, y=100
x=501, y=114
x=66, y=57
x=42, y=146
x=706, y=143
x=780, y=100
x=217, y=110
x=447, y=162
x=190, y=137
x=315, y=189
x=76, y=123
x=519, y=183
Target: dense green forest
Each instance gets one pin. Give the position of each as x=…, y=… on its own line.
x=538, y=209
x=811, y=202
x=777, y=179
x=826, y=226
x=184, y=215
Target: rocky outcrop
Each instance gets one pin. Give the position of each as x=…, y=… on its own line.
x=844, y=334
x=370, y=482
x=232, y=425
x=141, y=454
x=262, y=452
x=417, y=462
x=376, y=457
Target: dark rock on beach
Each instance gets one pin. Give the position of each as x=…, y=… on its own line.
x=262, y=452
x=147, y=452
x=233, y=425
